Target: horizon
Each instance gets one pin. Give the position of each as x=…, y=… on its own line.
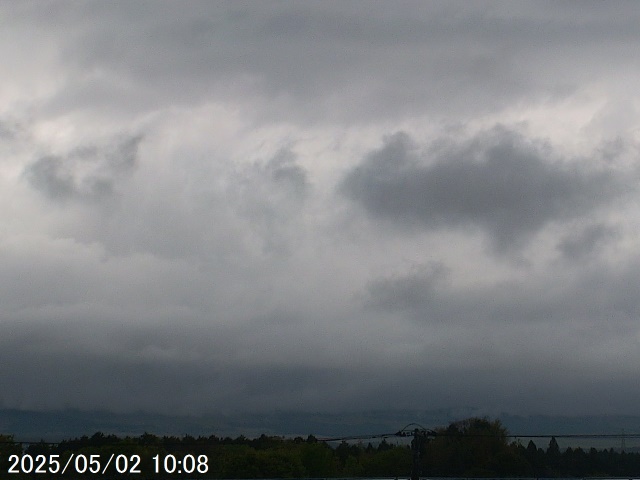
x=601, y=432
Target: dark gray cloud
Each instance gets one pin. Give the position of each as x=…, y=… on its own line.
x=592, y=304
x=315, y=60
x=587, y=241
x=498, y=181
x=70, y=359
x=408, y=293
x=86, y=173
x=47, y=174
x=282, y=168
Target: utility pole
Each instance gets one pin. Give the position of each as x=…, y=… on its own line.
x=420, y=436
x=416, y=446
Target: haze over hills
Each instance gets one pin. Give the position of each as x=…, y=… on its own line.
x=62, y=424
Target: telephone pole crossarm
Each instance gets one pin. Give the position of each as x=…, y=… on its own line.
x=420, y=436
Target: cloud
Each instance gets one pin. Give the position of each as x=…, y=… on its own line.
x=270, y=195
x=8, y=130
x=412, y=293
x=319, y=62
x=587, y=241
x=199, y=200
x=498, y=181
x=87, y=173
x=587, y=305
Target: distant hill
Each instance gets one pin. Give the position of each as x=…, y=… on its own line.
x=57, y=425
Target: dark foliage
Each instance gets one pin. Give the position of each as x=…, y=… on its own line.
x=475, y=447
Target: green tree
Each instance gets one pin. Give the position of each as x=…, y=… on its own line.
x=388, y=462
x=318, y=460
x=475, y=447
x=8, y=447
x=553, y=455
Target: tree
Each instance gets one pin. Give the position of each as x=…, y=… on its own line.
x=472, y=447
x=553, y=454
x=8, y=447
x=318, y=460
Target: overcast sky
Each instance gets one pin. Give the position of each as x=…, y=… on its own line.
x=325, y=207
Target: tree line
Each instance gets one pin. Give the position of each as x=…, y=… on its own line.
x=475, y=447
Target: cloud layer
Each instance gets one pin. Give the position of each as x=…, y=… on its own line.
x=326, y=207
x=496, y=181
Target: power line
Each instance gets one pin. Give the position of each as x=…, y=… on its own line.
x=403, y=432
x=421, y=434
x=487, y=435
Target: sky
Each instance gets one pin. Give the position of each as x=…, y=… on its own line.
x=320, y=206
